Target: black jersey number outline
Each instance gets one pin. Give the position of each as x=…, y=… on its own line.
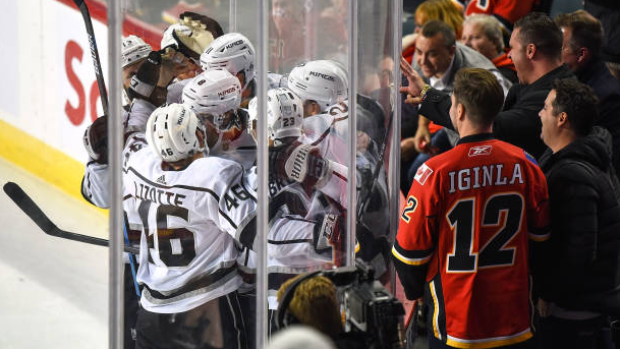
x=175, y=246
x=493, y=254
x=239, y=194
x=412, y=204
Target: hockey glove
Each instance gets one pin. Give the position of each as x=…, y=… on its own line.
x=211, y=24
x=328, y=235
x=305, y=165
x=196, y=42
x=96, y=140
x=143, y=85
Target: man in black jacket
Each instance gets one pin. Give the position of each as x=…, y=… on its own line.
x=583, y=39
x=535, y=48
x=581, y=280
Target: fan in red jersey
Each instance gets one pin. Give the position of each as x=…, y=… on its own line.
x=463, y=240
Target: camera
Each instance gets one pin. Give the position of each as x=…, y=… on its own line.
x=373, y=316
x=372, y=313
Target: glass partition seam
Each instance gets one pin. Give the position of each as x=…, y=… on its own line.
x=352, y=124
x=262, y=210
x=394, y=168
x=115, y=146
x=232, y=16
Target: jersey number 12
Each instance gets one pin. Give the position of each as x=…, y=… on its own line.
x=493, y=254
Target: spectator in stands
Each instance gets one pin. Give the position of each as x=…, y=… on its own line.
x=506, y=11
x=438, y=58
x=312, y=302
x=483, y=33
x=446, y=11
x=449, y=247
x=583, y=39
x=581, y=280
x=451, y=13
x=608, y=12
x=536, y=44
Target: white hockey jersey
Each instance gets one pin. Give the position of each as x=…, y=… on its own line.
x=189, y=221
x=97, y=176
x=293, y=243
x=236, y=145
x=329, y=132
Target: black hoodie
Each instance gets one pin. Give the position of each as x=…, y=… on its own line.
x=583, y=268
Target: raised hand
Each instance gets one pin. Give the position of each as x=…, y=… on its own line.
x=416, y=83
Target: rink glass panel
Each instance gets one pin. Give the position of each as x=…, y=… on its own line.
x=49, y=96
x=300, y=31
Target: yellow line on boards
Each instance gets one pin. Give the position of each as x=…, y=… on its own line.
x=42, y=160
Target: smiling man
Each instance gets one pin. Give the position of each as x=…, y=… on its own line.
x=581, y=277
x=535, y=49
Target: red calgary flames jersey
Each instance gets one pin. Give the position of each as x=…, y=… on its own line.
x=463, y=241
x=507, y=11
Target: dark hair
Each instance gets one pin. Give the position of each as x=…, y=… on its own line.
x=538, y=29
x=579, y=103
x=587, y=31
x=480, y=93
x=434, y=27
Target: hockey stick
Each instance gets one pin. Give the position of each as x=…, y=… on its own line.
x=366, y=200
x=94, y=53
x=32, y=210
x=103, y=93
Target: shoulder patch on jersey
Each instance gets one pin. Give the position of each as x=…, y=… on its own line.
x=530, y=157
x=423, y=173
x=480, y=150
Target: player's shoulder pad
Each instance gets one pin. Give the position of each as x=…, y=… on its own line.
x=215, y=164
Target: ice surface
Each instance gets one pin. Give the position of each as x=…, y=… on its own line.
x=53, y=292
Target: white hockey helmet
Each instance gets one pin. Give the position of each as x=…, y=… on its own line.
x=233, y=52
x=171, y=132
x=284, y=114
x=214, y=92
x=322, y=81
x=133, y=49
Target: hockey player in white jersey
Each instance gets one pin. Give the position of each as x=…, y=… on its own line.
x=134, y=52
x=322, y=86
x=141, y=70
x=298, y=181
x=215, y=95
x=235, y=53
x=189, y=208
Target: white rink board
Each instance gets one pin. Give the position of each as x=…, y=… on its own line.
x=49, y=90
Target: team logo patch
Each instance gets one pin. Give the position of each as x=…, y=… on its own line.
x=423, y=173
x=480, y=150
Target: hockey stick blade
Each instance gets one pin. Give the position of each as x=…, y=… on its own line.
x=32, y=210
